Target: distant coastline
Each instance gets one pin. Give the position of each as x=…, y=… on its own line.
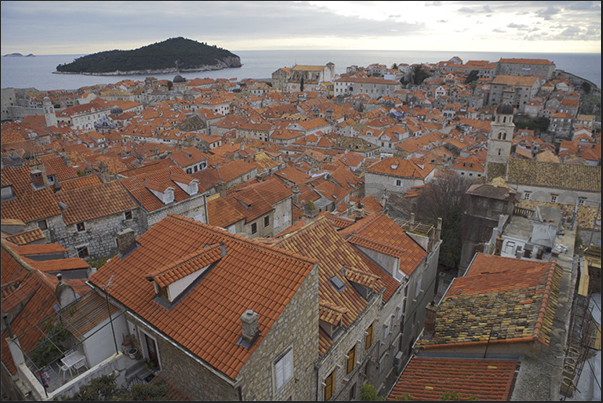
x=19, y=55
x=146, y=72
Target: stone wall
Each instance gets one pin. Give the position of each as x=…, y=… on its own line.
x=375, y=184
x=99, y=235
x=335, y=358
x=282, y=215
x=198, y=380
x=297, y=329
x=191, y=208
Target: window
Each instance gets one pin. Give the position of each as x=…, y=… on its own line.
x=351, y=360
x=386, y=328
x=330, y=385
x=283, y=369
x=43, y=224
x=526, y=195
x=398, y=182
x=369, y=337
x=581, y=201
x=82, y=252
x=128, y=215
x=352, y=392
x=80, y=226
x=266, y=221
x=254, y=228
x=554, y=198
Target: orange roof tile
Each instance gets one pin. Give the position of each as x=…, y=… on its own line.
x=428, y=378
x=221, y=214
x=94, y=202
x=245, y=278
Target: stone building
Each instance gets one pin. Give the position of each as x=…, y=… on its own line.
x=371, y=86
x=525, y=67
x=395, y=175
x=516, y=91
x=310, y=77
x=223, y=317
x=93, y=217
x=166, y=191
x=501, y=135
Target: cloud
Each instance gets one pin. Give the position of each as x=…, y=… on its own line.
x=433, y=3
x=548, y=12
x=517, y=26
x=443, y=21
x=499, y=31
x=584, y=6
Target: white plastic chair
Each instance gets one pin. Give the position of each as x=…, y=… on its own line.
x=64, y=368
x=81, y=363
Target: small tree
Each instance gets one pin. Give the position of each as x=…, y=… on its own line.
x=394, y=66
x=369, y=393
x=301, y=85
x=170, y=85
x=105, y=388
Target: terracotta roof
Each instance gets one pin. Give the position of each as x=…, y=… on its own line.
x=380, y=233
x=221, y=214
x=525, y=61
x=138, y=186
x=42, y=249
x=81, y=182
x=74, y=263
x=499, y=300
x=56, y=166
x=26, y=237
x=524, y=81
x=234, y=170
x=29, y=204
x=94, y=202
x=207, y=321
x=428, y=378
x=553, y=175
x=293, y=175
x=320, y=241
x=249, y=203
x=400, y=167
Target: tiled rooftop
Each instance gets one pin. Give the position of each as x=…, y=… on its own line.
x=550, y=174
x=499, y=300
x=207, y=321
x=428, y=378
x=95, y=202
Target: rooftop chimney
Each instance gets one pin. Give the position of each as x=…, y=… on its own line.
x=38, y=176
x=359, y=211
x=250, y=325
x=430, y=318
x=295, y=190
x=125, y=239
x=64, y=292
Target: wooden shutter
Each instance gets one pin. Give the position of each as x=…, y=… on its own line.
x=369, y=337
x=330, y=386
x=351, y=359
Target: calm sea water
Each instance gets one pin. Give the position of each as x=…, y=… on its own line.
x=25, y=72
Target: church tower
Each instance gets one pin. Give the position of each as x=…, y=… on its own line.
x=51, y=118
x=501, y=135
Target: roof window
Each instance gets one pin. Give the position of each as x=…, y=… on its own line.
x=337, y=283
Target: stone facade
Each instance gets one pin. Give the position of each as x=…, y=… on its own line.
x=282, y=215
x=296, y=329
x=194, y=207
x=376, y=184
x=98, y=236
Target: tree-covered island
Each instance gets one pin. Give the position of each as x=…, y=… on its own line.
x=154, y=59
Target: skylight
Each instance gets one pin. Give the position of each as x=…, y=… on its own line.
x=337, y=283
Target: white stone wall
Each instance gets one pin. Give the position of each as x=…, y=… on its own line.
x=282, y=215
x=376, y=184
x=194, y=208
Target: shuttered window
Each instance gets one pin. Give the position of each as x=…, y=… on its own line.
x=369, y=337
x=351, y=359
x=330, y=386
x=283, y=369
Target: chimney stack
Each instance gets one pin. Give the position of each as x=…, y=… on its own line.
x=296, y=191
x=125, y=239
x=64, y=292
x=430, y=318
x=359, y=211
x=38, y=176
x=250, y=325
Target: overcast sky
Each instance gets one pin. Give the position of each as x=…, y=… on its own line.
x=80, y=27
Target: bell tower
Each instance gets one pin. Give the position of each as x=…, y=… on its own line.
x=501, y=135
x=51, y=118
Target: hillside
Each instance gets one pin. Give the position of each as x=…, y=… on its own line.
x=156, y=58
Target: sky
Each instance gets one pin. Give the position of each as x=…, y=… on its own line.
x=81, y=27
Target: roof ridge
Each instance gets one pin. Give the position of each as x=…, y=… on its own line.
x=248, y=241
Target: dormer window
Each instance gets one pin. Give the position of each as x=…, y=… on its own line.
x=80, y=226
x=7, y=193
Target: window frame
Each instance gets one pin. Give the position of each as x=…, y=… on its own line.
x=126, y=215
x=266, y=221
x=45, y=224
x=254, y=228
x=351, y=360
x=368, y=339
x=330, y=385
x=282, y=361
x=81, y=249
x=80, y=226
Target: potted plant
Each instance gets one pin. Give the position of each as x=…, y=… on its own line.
x=150, y=365
x=128, y=342
x=132, y=352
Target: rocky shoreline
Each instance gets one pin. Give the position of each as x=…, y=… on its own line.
x=222, y=64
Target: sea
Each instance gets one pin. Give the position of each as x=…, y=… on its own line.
x=37, y=72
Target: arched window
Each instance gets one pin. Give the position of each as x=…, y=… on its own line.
x=504, y=119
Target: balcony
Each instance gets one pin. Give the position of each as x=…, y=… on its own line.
x=82, y=341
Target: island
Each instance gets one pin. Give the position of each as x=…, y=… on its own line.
x=18, y=55
x=170, y=56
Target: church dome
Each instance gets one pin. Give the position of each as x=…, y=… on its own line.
x=504, y=109
x=116, y=111
x=179, y=79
